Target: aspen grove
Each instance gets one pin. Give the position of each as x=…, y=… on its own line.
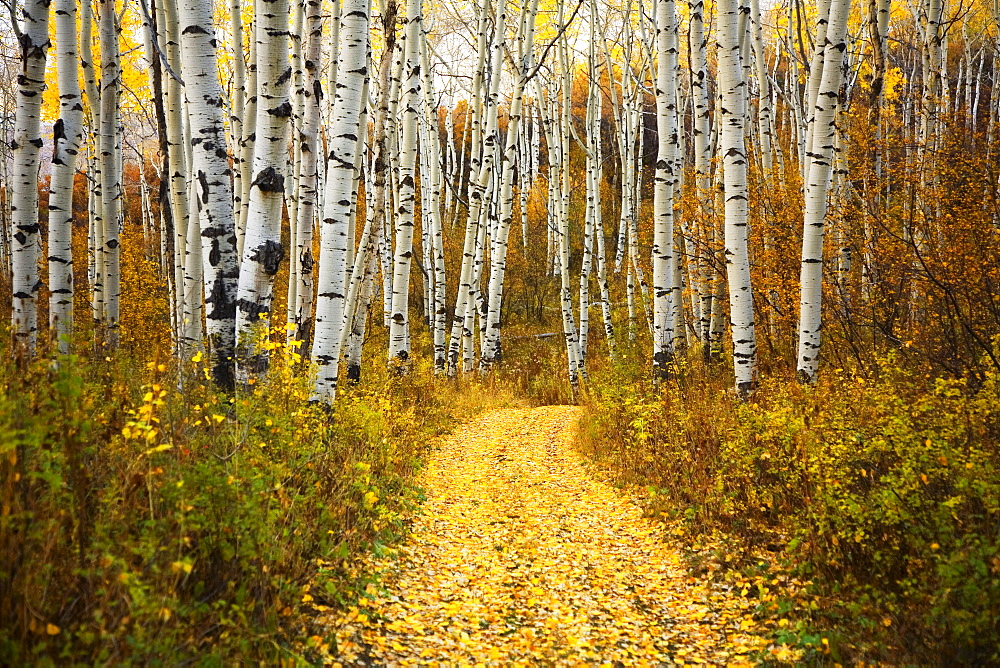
x=284, y=138
x=610, y=203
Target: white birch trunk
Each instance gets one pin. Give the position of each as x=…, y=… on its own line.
x=345, y=150
x=111, y=187
x=263, y=252
x=67, y=136
x=821, y=160
x=399, y=338
x=248, y=140
x=498, y=257
x=663, y=255
x=732, y=148
x=26, y=147
x=213, y=187
x=238, y=105
x=463, y=299
x=308, y=184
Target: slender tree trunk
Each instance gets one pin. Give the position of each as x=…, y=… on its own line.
x=498, y=257
x=111, y=186
x=26, y=147
x=345, y=151
x=263, y=252
x=214, y=189
x=732, y=148
x=399, y=335
x=663, y=255
x=820, y=172
x=463, y=298
x=238, y=105
x=308, y=195
x=67, y=136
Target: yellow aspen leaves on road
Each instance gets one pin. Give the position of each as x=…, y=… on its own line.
x=519, y=557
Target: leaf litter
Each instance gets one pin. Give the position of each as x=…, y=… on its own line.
x=519, y=557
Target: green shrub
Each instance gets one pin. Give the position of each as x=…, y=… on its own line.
x=146, y=518
x=884, y=492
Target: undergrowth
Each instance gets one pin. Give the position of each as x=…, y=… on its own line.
x=147, y=518
x=863, y=512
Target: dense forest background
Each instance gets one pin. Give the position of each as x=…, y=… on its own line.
x=757, y=243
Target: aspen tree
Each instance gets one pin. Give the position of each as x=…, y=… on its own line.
x=570, y=331
x=697, y=46
x=732, y=148
x=439, y=312
x=593, y=187
x=177, y=166
x=262, y=251
x=812, y=83
x=821, y=160
x=357, y=330
x=345, y=148
x=463, y=298
x=764, y=120
x=111, y=187
x=194, y=275
x=237, y=106
x=663, y=254
x=498, y=257
x=524, y=174
x=297, y=100
x=602, y=268
x=25, y=149
x=213, y=213
x=399, y=336
x=67, y=136
x=309, y=176
x=95, y=248
x=380, y=158
x=248, y=139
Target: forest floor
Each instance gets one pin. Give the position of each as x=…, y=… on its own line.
x=521, y=556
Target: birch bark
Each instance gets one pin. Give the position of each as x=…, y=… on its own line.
x=399, y=336
x=263, y=252
x=732, y=147
x=213, y=214
x=67, y=136
x=25, y=149
x=345, y=145
x=663, y=254
x=110, y=148
x=820, y=169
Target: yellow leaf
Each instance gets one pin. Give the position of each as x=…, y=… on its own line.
x=178, y=566
x=52, y=629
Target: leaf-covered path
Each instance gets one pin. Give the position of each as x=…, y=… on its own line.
x=521, y=558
